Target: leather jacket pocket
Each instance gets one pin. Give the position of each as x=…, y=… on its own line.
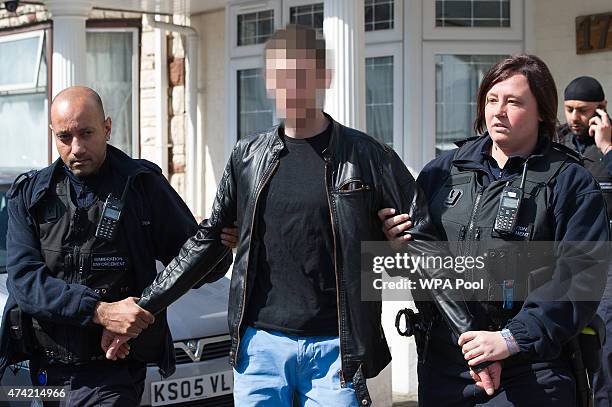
x=353, y=185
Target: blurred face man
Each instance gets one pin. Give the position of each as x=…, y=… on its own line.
x=80, y=130
x=296, y=77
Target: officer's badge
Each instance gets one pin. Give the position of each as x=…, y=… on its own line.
x=453, y=197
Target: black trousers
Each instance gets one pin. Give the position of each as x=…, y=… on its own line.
x=443, y=384
x=444, y=379
x=103, y=384
x=602, y=381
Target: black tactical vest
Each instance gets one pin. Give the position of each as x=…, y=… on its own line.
x=593, y=161
x=464, y=210
x=72, y=253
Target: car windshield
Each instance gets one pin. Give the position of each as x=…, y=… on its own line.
x=3, y=228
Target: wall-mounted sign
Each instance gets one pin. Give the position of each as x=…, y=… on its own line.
x=594, y=33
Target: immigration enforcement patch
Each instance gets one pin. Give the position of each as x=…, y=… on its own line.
x=107, y=263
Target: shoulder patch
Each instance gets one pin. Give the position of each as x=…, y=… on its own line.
x=459, y=143
x=573, y=154
x=149, y=165
x=19, y=182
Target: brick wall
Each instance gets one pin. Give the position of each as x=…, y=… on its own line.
x=25, y=15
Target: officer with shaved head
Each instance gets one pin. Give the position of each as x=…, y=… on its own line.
x=83, y=237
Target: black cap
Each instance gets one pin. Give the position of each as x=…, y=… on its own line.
x=586, y=89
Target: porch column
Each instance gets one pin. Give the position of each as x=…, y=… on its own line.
x=343, y=27
x=69, y=46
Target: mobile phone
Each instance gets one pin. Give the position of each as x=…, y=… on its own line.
x=595, y=114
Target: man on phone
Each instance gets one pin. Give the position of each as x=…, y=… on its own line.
x=589, y=131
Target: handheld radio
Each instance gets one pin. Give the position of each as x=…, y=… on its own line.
x=109, y=221
x=509, y=206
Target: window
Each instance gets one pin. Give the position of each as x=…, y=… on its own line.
x=254, y=108
x=112, y=70
x=250, y=24
x=477, y=20
x=379, y=98
x=310, y=15
x=472, y=13
x=457, y=79
x=24, y=100
x=378, y=15
x=23, y=51
x=255, y=28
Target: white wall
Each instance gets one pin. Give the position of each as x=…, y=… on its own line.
x=403, y=352
x=211, y=99
x=553, y=38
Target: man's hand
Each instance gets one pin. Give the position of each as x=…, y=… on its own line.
x=114, y=346
x=123, y=317
x=482, y=346
x=601, y=129
x=229, y=237
x=394, y=226
x=489, y=378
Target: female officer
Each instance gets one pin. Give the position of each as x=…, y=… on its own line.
x=550, y=197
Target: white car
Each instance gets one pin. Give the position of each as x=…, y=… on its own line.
x=203, y=377
x=198, y=322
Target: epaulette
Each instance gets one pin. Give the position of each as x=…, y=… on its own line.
x=151, y=166
x=459, y=143
x=19, y=182
x=573, y=154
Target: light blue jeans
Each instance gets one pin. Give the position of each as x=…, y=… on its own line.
x=273, y=368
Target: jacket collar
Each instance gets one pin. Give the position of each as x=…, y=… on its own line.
x=116, y=160
x=469, y=156
x=277, y=144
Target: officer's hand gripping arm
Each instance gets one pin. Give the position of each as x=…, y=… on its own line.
x=401, y=192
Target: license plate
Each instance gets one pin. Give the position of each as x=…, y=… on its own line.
x=191, y=388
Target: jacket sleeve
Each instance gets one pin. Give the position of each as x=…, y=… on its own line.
x=582, y=250
x=201, y=254
x=400, y=191
x=173, y=223
x=35, y=291
x=607, y=160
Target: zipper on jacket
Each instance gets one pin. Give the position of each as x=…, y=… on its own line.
x=261, y=187
x=426, y=344
x=81, y=269
x=76, y=261
x=462, y=233
x=74, y=270
x=475, y=210
x=338, y=304
x=471, y=233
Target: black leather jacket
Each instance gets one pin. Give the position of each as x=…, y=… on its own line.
x=362, y=177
